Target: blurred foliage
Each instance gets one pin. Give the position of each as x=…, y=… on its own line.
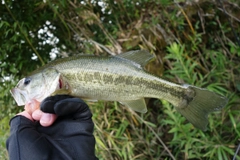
x=192, y=40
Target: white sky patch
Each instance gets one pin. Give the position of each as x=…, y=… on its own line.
x=82, y=2
x=53, y=53
x=48, y=38
x=31, y=34
x=34, y=56
x=48, y=22
x=6, y=78
x=103, y=5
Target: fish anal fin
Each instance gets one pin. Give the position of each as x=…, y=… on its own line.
x=138, y=105
x=141, y=57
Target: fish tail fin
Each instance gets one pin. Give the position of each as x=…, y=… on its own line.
x=203, y=103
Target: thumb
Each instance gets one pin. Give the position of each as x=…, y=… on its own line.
x=47, y=119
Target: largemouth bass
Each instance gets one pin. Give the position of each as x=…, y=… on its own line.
x=116, y=78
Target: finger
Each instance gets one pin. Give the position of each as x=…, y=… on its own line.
x=31, y=106
x=37, y=114
x=47, y=119
x=26, y=114
x=48, y=103
x=69, y=106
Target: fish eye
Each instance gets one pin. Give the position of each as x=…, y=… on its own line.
x=27, y=81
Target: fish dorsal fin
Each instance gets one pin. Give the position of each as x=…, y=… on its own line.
x=141, y=57
x=138, y=105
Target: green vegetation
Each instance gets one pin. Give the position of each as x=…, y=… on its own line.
x=193, y=43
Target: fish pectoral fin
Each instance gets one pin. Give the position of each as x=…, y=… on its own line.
x=61, y=92
x=141, y=57
x=138, y=105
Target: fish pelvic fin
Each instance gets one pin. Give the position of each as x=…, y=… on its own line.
x=204, y=102
x=138, y=105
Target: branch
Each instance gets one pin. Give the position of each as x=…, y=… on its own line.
x=25, y=36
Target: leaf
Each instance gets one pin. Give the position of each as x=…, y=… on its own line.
x=173, y=130
x=99, y=142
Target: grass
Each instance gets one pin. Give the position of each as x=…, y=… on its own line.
x=192, y=45
x=4, y=132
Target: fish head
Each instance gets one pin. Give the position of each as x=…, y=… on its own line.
x=37, y=86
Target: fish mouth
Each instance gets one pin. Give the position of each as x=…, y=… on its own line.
x=19, y=96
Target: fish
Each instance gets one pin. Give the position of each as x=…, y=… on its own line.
x=119, y=78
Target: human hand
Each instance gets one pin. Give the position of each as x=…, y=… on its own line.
x=32, y=111
x=69, y=137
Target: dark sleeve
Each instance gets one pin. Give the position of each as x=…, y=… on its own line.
x=65, y=139
x=71, y=138
x=24, y=142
